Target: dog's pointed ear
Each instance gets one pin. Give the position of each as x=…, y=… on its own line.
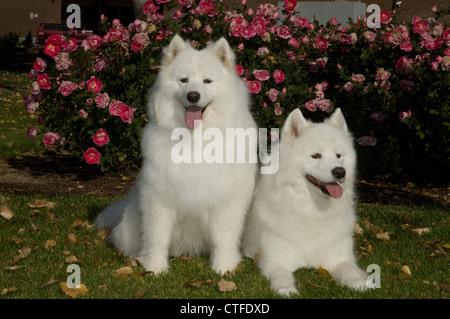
x=173, y=49
x=338, y=120
x=223, y=50
x=293, y=125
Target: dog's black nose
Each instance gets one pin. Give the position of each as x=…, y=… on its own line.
x=193, y=97
x=338, y=172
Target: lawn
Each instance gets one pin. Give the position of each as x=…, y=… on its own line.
x=41, y=234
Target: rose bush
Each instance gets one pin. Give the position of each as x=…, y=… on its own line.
x=391, y=83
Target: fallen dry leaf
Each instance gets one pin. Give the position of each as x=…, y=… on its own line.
x=18, y=240
x=41, y=203
x=226, y=285
x=323, y=272
x=104, y=233
x=76, y=223
x=421, y=231
x=383, y=235
x=72, y=237
x=358, y=229
x=8, y=290
x=140, y=293
x=196, y=282
x=122, y=272
x=49, y=243
x=6, y=212
x=406, y=270
x=49, y=282
x=73, y=292
x=23, y=253
x=72, y=259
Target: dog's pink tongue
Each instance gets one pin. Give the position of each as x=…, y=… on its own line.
x=193, y=113
x=334, y=189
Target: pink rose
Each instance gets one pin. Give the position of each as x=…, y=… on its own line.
x=138, y=26
x=185, y=3
x=293, y=42
x=140, y=42
x=43, y=81
x=40, y=65
x=404, y=64
x=260, y=25
x=102, y=100
x=83, y=114
x=351, y=38
x=55, y=39
x=284, y=32
x=290, y=5
x=382, y=75
x=369, y=36
x=32, y=107
x=126, y=113
x=404, y=115
x=334, y=21
x=50, y=138
x=32, y=132
x=262, y=52
x=273, y=94
x=261, y=75
x=67, y=87
x=254, y=86
x=348, y=86
x=321, y=43
x=94, y=41
x=359, y=78
x=51, y=49
x=115, y=107
x=239, y=69
x=206, y=6
x=92, y=156
x=367, y=141
x=420, y=27
x=278, y=76
x=432, y=43
x=248, y=32
x=406, y=46
x=385, y=17
x=94, y=84
x=62, y=61
x=101, y=138
x=71, y=45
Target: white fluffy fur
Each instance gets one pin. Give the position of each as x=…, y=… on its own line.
x=186, y=208
x=292, y=224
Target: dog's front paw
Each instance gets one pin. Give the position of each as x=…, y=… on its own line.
x=155, y=265
x=225, y=263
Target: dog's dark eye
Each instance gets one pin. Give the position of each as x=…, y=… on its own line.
x=207, y=81
x=338, y=155
x=184, y=80
x=316, y=156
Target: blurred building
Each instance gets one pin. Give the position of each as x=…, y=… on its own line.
x=24, y=16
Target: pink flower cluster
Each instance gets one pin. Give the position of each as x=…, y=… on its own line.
x=320, y=102
x=118, y=108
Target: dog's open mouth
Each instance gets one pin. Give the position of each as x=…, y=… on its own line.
x=333, y=189
x=194, y=115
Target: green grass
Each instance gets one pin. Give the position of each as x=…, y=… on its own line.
x=35, y=227
x=14, y=119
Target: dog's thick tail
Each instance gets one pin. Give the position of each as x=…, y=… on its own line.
x=111, y=216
